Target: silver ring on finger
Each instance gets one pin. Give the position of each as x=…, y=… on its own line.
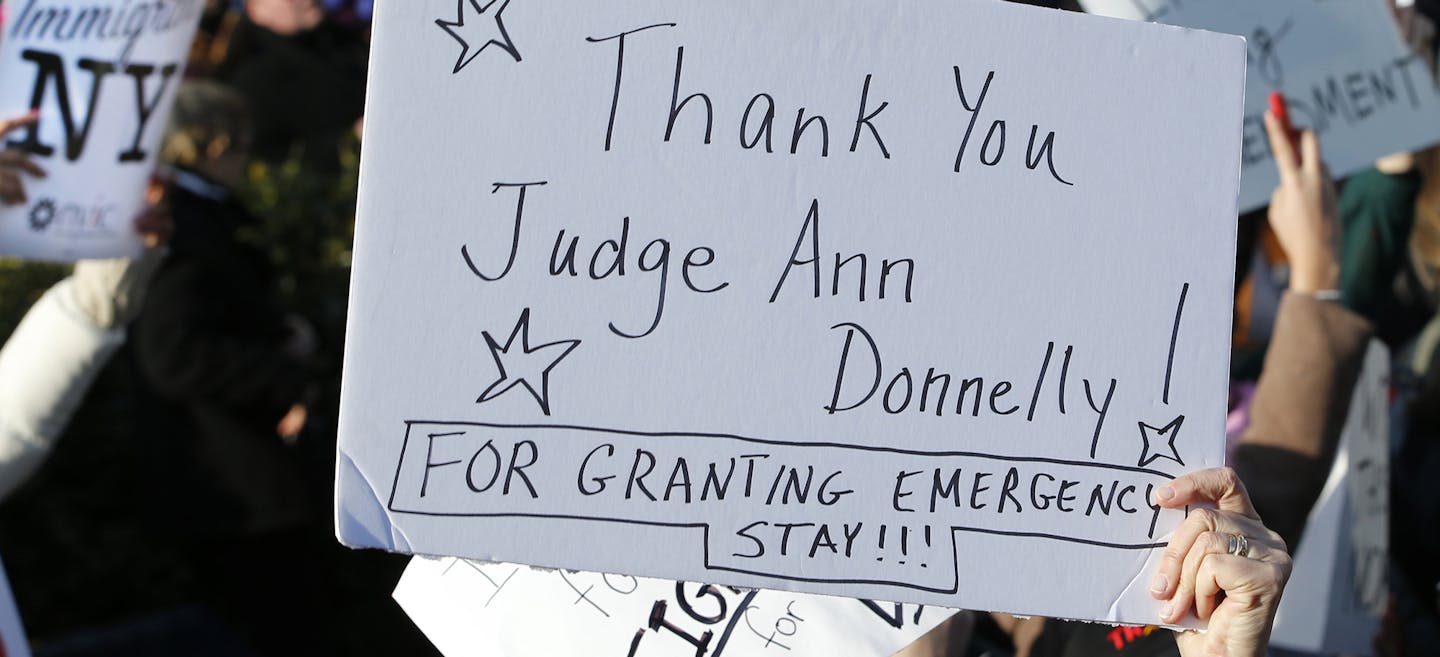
x=1239, y=545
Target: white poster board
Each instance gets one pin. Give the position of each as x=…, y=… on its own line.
x=103, y=74
x=1007, y=363
x=1338, y=590
x=1341, y=65
x=474, y=609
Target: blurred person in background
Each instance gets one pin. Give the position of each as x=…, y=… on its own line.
x=229, y=370
x=1414, y=627
x=303, y=77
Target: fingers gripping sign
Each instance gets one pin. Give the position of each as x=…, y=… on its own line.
x=1222, y=565
x=14, y=163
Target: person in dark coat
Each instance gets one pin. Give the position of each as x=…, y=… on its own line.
x=303, y=77
x=228, y=369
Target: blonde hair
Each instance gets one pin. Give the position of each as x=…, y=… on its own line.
x=209, y=119
x=1425, y=237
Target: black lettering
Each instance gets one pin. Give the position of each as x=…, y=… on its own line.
x=899, y=484
x=885, y=276
x=1000, y=390
x=48, y=66
x=494, y=471
x=430, y=463
x=909, y=392
x=931, y=378
x=146, y=110
x=767, y=124
x=619, y=72
x=515, y=467
x=974, y=112
x=759, y=545
x=811, y=227
x=867, y=121
x=1047, y=151
x=834, y=406
x=515, y=238
x=985, y=147
x=802, y=124
x=1061, y=498
x=712, y=482
x=637, y=480
x=940, y=490
x=662, y=264
x=600, y=481
x=677, y=105
x=1007, y=491
x=692, y=261
x=976, y=489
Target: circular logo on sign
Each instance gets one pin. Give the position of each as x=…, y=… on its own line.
x=42, y=214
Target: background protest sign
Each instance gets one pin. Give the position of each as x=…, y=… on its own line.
x=1338, y=591
x=103, y=74
x=866, y=299
x=1340, y=64
x=473, y=609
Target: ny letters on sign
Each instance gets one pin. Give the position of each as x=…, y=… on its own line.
x=103, y=74
x=839, y=297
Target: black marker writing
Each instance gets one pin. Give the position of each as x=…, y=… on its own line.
x=619, y=72
x=809, y=236
x=514, y=234
x=992, y=150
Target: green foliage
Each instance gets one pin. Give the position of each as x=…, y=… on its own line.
x=306, y=226
x=21, y=284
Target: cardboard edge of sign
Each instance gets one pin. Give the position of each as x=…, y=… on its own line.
x=370, y=526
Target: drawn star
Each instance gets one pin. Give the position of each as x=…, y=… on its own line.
x=527, y=365
x=470, y=27
x=1169, y=432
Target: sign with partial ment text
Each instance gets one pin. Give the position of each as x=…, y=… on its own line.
x=1341, y=65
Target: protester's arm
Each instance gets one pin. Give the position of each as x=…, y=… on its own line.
x=59, y=347
x=1286, y=454
x=1205, y=571
x=45, y=369
x=1314, y=358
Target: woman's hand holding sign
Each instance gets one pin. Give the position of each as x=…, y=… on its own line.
x=14, y=163
x=1223, y=565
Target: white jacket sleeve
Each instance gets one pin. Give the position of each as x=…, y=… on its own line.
x=45, y=369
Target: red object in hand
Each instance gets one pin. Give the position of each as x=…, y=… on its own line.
x=1282, y=113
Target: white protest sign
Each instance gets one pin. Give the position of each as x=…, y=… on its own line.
x=473, y=609
x=1338, y=591
x=695, y=291
x=1341, y=65
x=103, y=74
